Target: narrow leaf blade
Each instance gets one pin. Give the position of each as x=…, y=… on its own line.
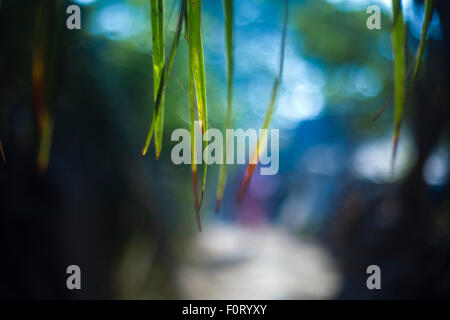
x=398, y=45
x=198, y=80
x=43, y=76
x=229, y=23
x=423, y=38
x=157, y=20
x=165, y=76
x=262, y=140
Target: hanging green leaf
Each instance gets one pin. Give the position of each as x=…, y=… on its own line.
x=157, y=21
x=229, y=24
x=262, y=140
x=419, y=56
x=205, y=115
x=423, y=39
x=194, y=148
x=196, y=60
x=43, y=62
x=197, y=89
x=398, y=45
x=165, y=76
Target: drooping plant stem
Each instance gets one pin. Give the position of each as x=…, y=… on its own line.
x=262, y=139
x=43, y=61
x=197, y=90
x=398, y=45
x=423, y=38
x=157, y=21
x=196, y=60
x=401, y=93
x=229, y=25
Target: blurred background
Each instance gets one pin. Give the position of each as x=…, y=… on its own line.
x=308, y=232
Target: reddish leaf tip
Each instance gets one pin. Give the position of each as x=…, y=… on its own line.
x=218, y=205
x=194, y=181
x=245, y=182
x=394, y=151
x=197, y=213
x=380, y=113
x=199, y=223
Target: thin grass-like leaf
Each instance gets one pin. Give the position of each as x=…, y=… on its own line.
x=171, y=11
x=205, y=115
x=398, y=45
x=419, y=56
x=165, y=76
x=229, y=25
x=157, y=20
x=262, y=140
x=398, y=37
x=383, y=109
x=193, y=149
x=423, y=38
x=196, y=60
x=201, y=96
x=197, y=89
x=44, y=56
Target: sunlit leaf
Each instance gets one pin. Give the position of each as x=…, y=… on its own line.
x=194, y=147
x=196, y=60
x=197, y=87
x=204, y=128
x=165, y=76
x=157, y=21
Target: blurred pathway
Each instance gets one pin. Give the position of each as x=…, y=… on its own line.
x=230, y=262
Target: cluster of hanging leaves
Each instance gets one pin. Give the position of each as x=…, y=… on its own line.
x=189, y=16
x=401, y=90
